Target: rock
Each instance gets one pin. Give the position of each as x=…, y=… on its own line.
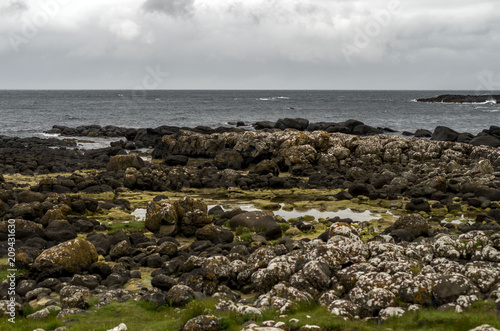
x=161, y=218
x=448, y=288
x=389, y=312
x=265, y=167
x=88, y=281
x=203, y=323
x=176, y=160
x=60, y=230
x=163, y=282
x=70, y=257
x=416, y=224
x=120, y=327
x=261, y=125
x=168, y=248
x=100, y=242
x=179, y=295
x=257, y=221
x=485, y=140
x=122, y=162
x=228, y=159
x=122, y=248
x=443, y=133
x=10, y=309
x=155, y=298
x=215, y=234
x=293, y=123
x=43, y=313
x=484, y=327
x=422, y=133
x=418, y=204
x=201, y=280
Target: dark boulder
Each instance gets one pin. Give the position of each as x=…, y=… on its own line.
x=163, y=282
x=258, y=221
x=267, y=167
x=418, y=204
x=176, y=160
x=60, y=230
x=215, y=234
x=228, y=159
x=292, y=123
x=416, y=224
x=443, y=133
x=366, y=130
x=261, y=125
x=423, y=133
x=485, y=140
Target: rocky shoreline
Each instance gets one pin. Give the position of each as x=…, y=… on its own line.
x=457, y=98
x=252, y=261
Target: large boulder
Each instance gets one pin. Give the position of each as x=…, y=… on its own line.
x=215, y=234
x=293, y=123
x=443, y=133
x=228, y=159
x=416, y=224
x=122, y=162
x=161, y=218
x=485, y=140
x=70, y=257
x=257, y=221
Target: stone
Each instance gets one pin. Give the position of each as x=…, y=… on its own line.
x=415, y=223
x=162, y=216
x=122, y=162
x=203, y=323
x=215, y=234
x=70, y=257
x=176, y=160
x=443, y=133
x=120, y=327
x=179, y=295
x=257, y=221
x=228, y=159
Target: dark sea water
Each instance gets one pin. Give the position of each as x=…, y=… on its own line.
x=29, y=113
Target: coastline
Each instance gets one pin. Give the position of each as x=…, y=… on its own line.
x=88, y=195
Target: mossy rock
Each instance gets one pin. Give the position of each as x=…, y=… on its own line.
x=70, y=257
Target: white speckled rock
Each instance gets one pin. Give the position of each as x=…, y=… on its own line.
x=484, y=327
x=388, y=312
x=120, y=327
x=344, y=308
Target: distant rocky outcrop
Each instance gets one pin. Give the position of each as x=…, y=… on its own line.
x=457, y=98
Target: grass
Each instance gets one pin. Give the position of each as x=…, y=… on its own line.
x=4, y=266
x=144, y=316
x=126, y=227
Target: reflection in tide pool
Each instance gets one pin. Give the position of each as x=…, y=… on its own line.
x=356, y=216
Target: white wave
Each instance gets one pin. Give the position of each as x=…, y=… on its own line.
x=48, y=135
x=273, y=98
x=414, y=100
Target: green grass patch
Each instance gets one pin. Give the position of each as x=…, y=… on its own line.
x=126, y=227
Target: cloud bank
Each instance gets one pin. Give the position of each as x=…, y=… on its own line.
x=275, y=44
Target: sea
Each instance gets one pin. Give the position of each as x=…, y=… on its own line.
x=29, y=113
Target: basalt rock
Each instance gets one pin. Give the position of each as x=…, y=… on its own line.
x=70, y=257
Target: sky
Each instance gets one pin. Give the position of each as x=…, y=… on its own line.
x=250, y=44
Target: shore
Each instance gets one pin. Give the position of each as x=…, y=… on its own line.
x=432, y=244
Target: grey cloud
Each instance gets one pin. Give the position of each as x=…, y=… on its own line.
x=14, y=7
x=174, y=8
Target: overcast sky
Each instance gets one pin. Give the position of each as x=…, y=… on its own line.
x=250, y=44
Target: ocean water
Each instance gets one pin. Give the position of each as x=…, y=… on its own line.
x=28, y=113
